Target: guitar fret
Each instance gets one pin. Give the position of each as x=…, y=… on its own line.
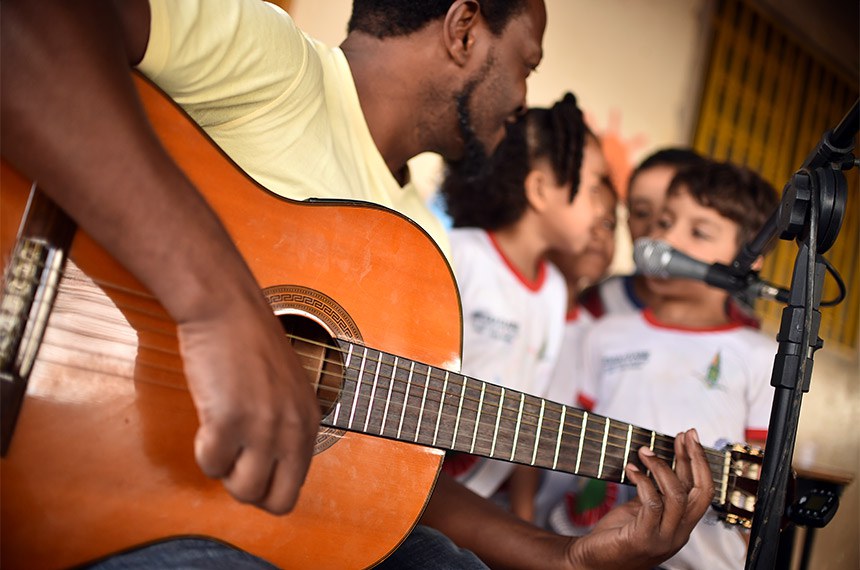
x=346, y=366
x=478, y=418
x=581, y=442
x=603, y=448
x=653, y=437
x=626, y=451
x=405, y=398
x=517, y=430
x=441, y=403
x=498, y=418
x=357, y=389
x=423, y=400
x=537, y=434
x=388, y=397
x=373, y=392
x=558, y=441
x=459, y=413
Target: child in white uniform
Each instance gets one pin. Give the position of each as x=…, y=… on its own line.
x=684, y=361
x=579, y=270
x=505, y=221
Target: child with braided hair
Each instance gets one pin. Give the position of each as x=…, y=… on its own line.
x=538, y=195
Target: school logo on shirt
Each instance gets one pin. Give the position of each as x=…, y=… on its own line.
x=628, y=361
x=712, y=375
x=487, y=325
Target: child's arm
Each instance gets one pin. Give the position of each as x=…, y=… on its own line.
x=522, y=489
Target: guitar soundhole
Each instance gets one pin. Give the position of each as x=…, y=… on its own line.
x=319, y=356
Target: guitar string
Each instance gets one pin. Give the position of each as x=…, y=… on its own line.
x=171, y=352
x=488, y=404
x=431, y=390
x=620, y=426
x=716, y=458
x=176, y=353
x=716, y=468
x=373, y=360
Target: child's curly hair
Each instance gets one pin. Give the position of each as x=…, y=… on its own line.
x=497, y=198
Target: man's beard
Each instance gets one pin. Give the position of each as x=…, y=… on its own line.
x=475, y=162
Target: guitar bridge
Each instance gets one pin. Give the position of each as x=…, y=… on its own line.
x=29, y=288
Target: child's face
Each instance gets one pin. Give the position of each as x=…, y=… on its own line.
x=645, y=199
x=696, y=230
x=592, y=264
x=569, y=224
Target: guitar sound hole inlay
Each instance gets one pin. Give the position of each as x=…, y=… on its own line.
x=311, y=319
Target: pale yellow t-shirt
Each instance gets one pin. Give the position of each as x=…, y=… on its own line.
x=282, y=105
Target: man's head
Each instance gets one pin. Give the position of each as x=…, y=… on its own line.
x=389, y=18
x=648, y=184
x=467, y=62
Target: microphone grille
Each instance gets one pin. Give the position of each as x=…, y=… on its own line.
x=651, y=257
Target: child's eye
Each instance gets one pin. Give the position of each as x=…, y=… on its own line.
x=664, y=223
x=699, y=234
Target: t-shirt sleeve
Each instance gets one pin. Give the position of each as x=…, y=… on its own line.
x=198, y=48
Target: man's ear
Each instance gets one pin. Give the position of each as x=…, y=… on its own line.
x=459, y=27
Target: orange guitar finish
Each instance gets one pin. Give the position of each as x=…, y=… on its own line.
x=102, y=458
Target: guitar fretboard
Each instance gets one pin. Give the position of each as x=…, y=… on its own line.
x=392, y=397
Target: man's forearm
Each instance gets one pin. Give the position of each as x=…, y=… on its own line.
x=496, y=536
x=93, y=152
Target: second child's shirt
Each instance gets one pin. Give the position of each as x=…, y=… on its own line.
x=512, y=332
x=670, y=379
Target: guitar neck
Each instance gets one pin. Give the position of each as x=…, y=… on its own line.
x=397, y=398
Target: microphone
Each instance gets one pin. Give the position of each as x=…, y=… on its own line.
x=658, y=259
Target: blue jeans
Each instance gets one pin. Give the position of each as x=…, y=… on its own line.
x=423, y=548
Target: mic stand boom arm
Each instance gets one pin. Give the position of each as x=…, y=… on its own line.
x=811, y=212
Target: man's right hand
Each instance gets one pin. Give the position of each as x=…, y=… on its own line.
x=257, y=409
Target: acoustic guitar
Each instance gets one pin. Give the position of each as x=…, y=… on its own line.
x=98, y=424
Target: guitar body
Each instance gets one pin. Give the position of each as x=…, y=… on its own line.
x=101, y=458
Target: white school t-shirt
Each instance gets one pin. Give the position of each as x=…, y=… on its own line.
x=670, y=379
x=512, y=329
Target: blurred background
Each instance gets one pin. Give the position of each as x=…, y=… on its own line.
x=754, y=81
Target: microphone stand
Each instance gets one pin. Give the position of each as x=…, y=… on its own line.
x=811, y=213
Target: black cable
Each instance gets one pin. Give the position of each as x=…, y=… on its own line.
x=843, y=291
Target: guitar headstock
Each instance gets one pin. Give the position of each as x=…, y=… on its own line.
x=736, y=493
